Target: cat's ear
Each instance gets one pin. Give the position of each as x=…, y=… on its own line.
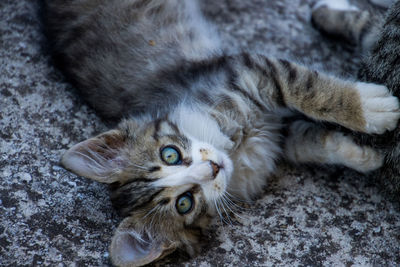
x=98, y=158
x=132, y=248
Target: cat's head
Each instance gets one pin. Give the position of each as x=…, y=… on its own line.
x=164, y=182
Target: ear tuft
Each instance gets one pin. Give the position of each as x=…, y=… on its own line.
x=97, y=158
x=130, y=248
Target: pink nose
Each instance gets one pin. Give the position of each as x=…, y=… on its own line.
x=215, y=168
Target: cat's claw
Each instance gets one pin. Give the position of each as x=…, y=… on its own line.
x=381, y=110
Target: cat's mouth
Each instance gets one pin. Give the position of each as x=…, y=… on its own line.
x=222, y=171
x=216, y=167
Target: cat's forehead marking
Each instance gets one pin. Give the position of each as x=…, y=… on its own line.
x=133, y=195
x=164, y=128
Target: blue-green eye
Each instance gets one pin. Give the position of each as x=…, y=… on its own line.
x=171, y=155
x=184, y=203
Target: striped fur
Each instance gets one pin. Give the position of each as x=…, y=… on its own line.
x=383, y=66
x=158, y=64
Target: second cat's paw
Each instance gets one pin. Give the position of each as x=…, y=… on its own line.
x=383, y=3
x=381, y=110
x=335, y=4
x=328, y=16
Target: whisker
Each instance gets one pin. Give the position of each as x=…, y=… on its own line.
x=228, y=204
x=238, y=199
x=226, y=213
x=219, y=212
x=233, y=204
x=151, y=225
x=218, y=203
x=235, y=215
x=149, y=212
x=138, y=166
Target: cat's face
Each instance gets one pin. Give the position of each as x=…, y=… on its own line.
x=164, y=182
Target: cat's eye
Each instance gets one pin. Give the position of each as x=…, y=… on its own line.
x=171, y=155
x=184, y=203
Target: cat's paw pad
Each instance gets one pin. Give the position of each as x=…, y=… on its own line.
x=381, y=110
x=336, y=5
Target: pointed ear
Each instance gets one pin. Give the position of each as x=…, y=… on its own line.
x=131, y=248
x=97, y=158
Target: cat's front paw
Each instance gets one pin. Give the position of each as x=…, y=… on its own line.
x=381, y=110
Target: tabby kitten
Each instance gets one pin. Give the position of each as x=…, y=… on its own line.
x=198, y=126
x=381, y=65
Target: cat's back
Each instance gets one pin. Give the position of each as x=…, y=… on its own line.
x=115, y=51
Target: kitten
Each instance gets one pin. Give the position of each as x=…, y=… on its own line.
x=381, y=65
x=198, y=126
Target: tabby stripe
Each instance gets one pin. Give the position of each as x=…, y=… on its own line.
x=204, y=97
x=138, y=180
x=140, y=4
x=195, y=230
x=278, y=88
x=232, y=82
x=154, y=168
x=174, y=127
x=157, y=125
x=310, y=81
x=235, y=87
x=125, y=202
x=292, y=73
x=154, y=11
x=150, y=199
x=164, y=201
x=248, y=62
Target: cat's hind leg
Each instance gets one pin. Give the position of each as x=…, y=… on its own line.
x=340, y=19
x=309, y=142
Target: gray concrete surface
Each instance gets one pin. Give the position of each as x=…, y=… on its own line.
x=306, y=217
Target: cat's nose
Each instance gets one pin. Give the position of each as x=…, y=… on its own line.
x=215, y=168
x=204, y=154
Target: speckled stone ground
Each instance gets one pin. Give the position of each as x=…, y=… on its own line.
x=307, y=216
